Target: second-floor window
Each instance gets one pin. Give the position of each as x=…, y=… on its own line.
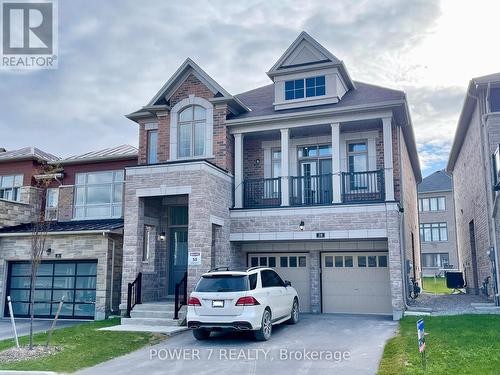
x=432, y=232
x=99, y=195
x=308, y=87
x=435, y=260
x=152, y=151
x=432, y=204
x=191, y=130
x=9, y=187
x=51, y=203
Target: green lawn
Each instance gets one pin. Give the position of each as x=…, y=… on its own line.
x=435, y=285
x=83, y=346
x=465, y=344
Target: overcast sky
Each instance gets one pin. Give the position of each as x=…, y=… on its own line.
x=115, y=55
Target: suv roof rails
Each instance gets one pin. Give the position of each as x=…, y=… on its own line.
x=226, y=268
x=256, y=267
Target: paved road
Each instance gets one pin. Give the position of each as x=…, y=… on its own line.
x=23, y=326
x=350, y=345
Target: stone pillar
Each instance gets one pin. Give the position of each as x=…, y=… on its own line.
x=388, y=163
x=285, y=196
x=238, y=170
x=396, y=271
x=336, y=180
x=315, y=281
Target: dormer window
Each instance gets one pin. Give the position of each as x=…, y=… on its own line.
x=313, y=86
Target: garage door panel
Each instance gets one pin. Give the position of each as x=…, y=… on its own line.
x=293, y=267
x=73, y=280
x=359, y=285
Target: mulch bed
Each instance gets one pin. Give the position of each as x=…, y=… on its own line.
x=24, y=353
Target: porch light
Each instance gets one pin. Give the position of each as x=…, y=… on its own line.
x=162, y=236
x=301, y=225
x=48, y=251
x=257, y=162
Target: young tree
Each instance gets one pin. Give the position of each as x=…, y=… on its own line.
x=39, y=229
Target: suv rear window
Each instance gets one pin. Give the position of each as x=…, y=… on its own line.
x=223, y=283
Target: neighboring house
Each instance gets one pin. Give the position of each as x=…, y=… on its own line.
x=437, y=224
x=18, y=169
x=314, y=174
x=475, y=164
x=83, y=260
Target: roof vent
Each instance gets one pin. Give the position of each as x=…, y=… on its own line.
x=2, y=149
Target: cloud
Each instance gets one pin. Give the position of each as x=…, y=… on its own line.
x=114, y=56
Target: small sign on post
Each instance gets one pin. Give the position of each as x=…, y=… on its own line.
x=421, y=340
x=194, y=258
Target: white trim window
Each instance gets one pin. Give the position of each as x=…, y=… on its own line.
x=99, y=195
x=192, y=128
x=9, y=187
x=432, y=204
x=436, y=260
x=434, y=232
x=51, y=203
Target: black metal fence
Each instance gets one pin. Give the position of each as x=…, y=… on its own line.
x=262, y=192
x=311, y=190
x=363, y=186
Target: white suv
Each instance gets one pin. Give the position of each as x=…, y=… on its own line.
x=255, y=299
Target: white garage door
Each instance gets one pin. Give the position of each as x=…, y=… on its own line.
x=293, y=267
x=356, y=283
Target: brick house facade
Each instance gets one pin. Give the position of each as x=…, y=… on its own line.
x=474, y=177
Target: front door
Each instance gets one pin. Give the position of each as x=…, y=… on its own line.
x=178, y=257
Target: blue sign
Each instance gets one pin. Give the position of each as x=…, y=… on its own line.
x=421, y=335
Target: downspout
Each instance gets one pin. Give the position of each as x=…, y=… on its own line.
x=113, y=242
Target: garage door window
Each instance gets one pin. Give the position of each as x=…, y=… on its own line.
x=339, y=261
x=263, y=261
x=284, y=262
x=361, y=261
x=382, y=261
x=372, y=261
x=75, y=281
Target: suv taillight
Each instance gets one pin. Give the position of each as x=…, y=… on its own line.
x=247, y=301
x=193, y=301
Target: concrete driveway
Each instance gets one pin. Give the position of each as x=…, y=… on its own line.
x=23, y=326
x=318, y=344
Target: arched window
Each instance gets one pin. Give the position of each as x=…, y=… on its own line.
x=192, y=131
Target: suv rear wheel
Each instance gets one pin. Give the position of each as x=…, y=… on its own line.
x=266, y=328
x=294, y=314
x=201, y=334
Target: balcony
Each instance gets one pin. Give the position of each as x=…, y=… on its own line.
x=356, y=188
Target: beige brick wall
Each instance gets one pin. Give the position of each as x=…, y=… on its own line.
x=469, y=180
x=14, y=213
x=447, y=216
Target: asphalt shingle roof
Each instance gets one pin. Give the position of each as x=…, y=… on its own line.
x=260, y=100
x=69, y=226
x=122, y=151
x=438, y=181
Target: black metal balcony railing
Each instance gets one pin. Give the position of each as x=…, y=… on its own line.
x=363, y=186
x=262, y=192
x=311, y=190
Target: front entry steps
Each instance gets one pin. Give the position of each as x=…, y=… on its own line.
x=155, y=317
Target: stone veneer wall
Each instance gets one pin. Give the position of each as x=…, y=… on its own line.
x=14, y=213
x=209, y=198
x=71, y=247
x=65, y=204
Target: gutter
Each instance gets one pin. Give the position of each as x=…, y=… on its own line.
x=24, y=234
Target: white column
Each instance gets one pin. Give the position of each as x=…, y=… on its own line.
x=336, y=181
x=285, y=196
x=238, y=170
x=388, y=164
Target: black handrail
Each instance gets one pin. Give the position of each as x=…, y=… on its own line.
x=179, y=303
x=134, y=293
x=363, y=186
x=262, y=192
x=311, y=190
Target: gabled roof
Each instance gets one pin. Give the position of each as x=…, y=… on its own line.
x=104, y=225
x=260, y=100
x=114, y=153
x=468, y=107
x=306, y=53
x=437, y=181
x=160, y=102
x=27, y=153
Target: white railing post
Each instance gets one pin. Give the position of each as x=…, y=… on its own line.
x=238, y=170
x=285, y=195
x=336, y=181
x=388, y=161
